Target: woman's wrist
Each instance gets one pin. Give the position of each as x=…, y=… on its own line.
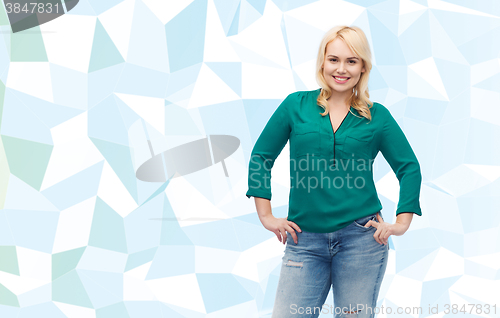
x=404, y=218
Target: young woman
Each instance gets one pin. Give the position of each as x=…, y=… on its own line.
x=338, y=237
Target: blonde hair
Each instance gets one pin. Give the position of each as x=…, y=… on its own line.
x=356, y=40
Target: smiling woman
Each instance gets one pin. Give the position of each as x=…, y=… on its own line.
x=334, y=233
x=342, y=69
x=339, y=45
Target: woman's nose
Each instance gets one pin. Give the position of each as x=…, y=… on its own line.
x=341, y=67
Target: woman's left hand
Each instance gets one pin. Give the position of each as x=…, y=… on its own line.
x=384, y=229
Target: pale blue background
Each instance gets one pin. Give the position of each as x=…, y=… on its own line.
x=85, y=238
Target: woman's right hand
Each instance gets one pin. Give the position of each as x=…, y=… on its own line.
x=279, y=225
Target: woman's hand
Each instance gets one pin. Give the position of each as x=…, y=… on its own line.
x=279, y=226
x=384, y=229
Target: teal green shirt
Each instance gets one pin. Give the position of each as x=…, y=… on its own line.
x=331, y=174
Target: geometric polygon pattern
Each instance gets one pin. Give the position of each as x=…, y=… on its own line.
x=87, y=98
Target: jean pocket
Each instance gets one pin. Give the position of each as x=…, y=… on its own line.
x=361, y=222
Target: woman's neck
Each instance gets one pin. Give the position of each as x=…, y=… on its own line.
x=338, y=100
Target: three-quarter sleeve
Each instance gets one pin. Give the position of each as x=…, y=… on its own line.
x=397, y=151
x=268, y=146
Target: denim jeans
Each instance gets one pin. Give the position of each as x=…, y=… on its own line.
x=349, y=260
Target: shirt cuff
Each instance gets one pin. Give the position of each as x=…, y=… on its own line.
x=258, y=194
x=417, y=211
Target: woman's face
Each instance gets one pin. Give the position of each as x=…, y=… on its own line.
x=340, y=63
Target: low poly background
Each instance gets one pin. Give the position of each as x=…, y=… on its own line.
x=87, y=98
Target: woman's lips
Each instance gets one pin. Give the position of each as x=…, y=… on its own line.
x=342, y=81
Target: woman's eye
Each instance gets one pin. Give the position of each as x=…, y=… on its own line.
x=334, y=60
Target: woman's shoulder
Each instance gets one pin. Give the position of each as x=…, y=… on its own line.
x=376, y=105
x=380, y=109
x=305, y=92
x=297, y=98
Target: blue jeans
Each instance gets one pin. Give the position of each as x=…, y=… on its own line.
x=349, y=260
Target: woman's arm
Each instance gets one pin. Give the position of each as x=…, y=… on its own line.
x=278, y=226
x=268, y=146
x=263, y=207
x=404, y=218
x=397, y=151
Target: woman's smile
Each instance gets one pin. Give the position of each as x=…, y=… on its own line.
x=341, y=80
